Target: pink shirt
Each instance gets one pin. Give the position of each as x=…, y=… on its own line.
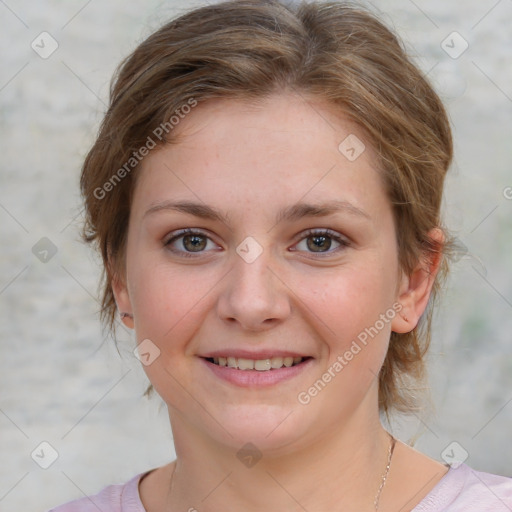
x=462, y=489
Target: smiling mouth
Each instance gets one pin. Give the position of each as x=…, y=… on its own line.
x=273, y=363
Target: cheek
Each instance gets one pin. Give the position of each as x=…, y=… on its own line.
x=354, y=312
x=164, y=297
x=169, y=307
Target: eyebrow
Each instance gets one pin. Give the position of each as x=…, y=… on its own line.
x=290, y=213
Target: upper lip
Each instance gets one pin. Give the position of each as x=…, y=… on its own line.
x=247, y=354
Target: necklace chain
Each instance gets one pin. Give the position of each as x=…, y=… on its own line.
x=382, y=483
x=385, y=475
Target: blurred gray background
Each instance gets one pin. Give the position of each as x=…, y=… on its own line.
x=62, y=381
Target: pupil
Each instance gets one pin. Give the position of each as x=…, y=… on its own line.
x=195, y=241
x=321, y=243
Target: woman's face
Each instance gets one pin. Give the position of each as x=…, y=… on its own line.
x=252, y=282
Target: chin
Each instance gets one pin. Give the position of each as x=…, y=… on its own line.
x=269, y=428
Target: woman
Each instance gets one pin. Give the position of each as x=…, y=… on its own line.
x=265, y=192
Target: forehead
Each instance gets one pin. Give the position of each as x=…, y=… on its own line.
x=277, y=121
x=281, y=148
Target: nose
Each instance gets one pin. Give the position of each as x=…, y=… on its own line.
x=254, y=297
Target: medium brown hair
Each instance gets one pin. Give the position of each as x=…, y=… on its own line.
x=250, y=49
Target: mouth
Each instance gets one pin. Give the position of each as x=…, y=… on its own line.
x=261, y=365
x=258, y=373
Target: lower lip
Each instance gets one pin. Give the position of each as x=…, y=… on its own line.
x=256, y=378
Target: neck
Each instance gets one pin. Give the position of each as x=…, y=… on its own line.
x=341, y=469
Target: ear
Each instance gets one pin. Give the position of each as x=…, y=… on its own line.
x=121, y=295
x=415, y=288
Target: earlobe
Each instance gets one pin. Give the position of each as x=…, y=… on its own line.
x=402, y=321
x=127, y=319
x=122, y=299
x=416, y=288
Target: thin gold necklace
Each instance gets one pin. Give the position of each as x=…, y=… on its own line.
x=377, y=496
x=385, y=475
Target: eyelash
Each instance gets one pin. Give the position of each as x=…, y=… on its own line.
x=309, y=233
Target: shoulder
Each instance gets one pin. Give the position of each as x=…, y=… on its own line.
x=114, y=498
x=464, y=489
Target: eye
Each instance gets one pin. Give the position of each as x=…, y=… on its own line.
x=189, y=240
x=319, y=241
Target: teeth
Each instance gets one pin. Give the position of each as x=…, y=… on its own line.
x=276, y=362
x=245, y=364
x=260, y=364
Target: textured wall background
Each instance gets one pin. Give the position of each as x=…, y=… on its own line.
x=64, y=384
